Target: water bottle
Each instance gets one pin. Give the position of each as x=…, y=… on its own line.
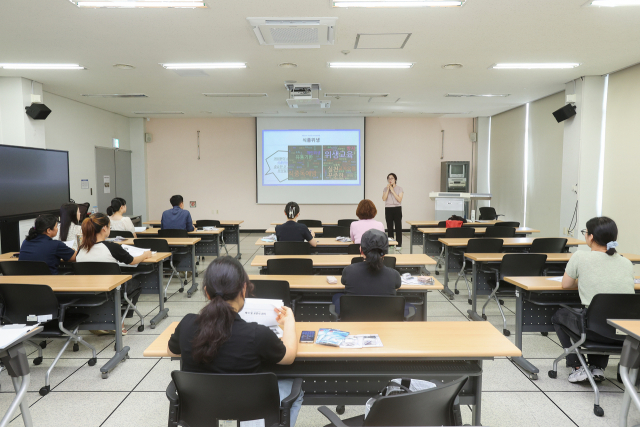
x=94, y=209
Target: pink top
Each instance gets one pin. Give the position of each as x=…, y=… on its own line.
x=358, y=228
x=391, y=201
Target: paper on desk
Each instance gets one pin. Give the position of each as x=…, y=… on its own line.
x=271, y=238
x=11, y=333
x=343, y=239
x=135, y=251
x=260, y=310
x=408, y=279
x=252, y=423
x=555, y=278
x=362, y=341
x=636, y=281
x=140, y=229
x=209, y=228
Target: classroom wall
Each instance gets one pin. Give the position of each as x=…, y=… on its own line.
x=224, y=178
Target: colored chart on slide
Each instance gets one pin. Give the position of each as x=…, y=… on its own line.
x=340, y=162
x=305, y=162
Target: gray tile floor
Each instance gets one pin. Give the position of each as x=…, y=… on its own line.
x=133, y=395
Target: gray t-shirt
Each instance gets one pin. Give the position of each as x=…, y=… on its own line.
x=599, y=273
x=391, y=201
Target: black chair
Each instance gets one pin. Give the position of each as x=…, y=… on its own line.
x=111, y=269
x=442, y=224
x=121, y=233
x=499, y=232
x=335, y=231
x=431, y=407
x=168, y=234
x=346, y=222
x=21, y=300
x=513, y=265
x=84, y=211
x=292, y=248
x=476, y=246
x=160, y=245
x=201, y=223
x=507, y=224
x=198, y=398
x=488, y=214
x=272, y=289
x=178, y=252
x=596, y=335
x=548, y=245
x=372, y=308
x=388, y=261
x=310, y=222
x=290, y=266
x=353, y=249
x=24, y=268
x=454, y=233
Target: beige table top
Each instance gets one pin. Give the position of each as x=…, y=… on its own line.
x=479, y=230
x=320, y=282
x=629, y=327
x=323, y=223
x=317, y=230
x=157, y=257
x=435, y=223
x=175, y=241
x=329, y=260
x=222, y=222
x=400, y=339
x=71, y=283
x=8, y=256
x=509, y=241
x=563, y=257
x=322, y=241
x=154, y=232
x=541, y=283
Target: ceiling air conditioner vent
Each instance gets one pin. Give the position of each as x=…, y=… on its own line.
x=294, y=33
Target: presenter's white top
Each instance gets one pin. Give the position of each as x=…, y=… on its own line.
x=391, y=201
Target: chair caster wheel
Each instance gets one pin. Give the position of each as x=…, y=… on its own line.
x=189, y=295
x=470, y=302
x=186, y=281
x=340, y=409
x=92, y=361
x=76, y=347
x=533, y=376
x=437, y=273
x=598, y=410
x=140, y=328
x=43, y=344
x=45, y=390
x=197, y=262
x=553, y=374
x=506, y=332
x=484, y=316
x=501, y=302
x=181, y=290
x=37, y=361
x=545, y=334
x=165, y=299
x=457, y=292
x=105, y=375
x=196, y=274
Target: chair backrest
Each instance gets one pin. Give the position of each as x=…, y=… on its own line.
x=205, y=397
x=156, y=245
x=487, y=213
x=272, y=289
x=507, y=224
x=431, y=407
x=21, y=300
x=611, y=306
x=24, y=268
x=371, y=308
x=484, y=246
x=522, y=265
x=96, y=268
x=84, y=210
x=136, y=221
x=310, y=222
x=335, y=231
x=207, y=223
x=119, y=233
x=462, y=232
x=548, y=245
x=345, y=222
x=388, y=261
x=500, y=232
x=353, y=249
x=173, y=233
x=442, y=224
x=292, y=248
x=290, y=266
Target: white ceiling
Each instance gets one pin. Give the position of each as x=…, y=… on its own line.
x=479, y=34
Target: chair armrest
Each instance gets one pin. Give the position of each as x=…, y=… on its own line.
x=64, y=305
x=296, y=390
x=172, y=393
x=174, y=405
x=335, y=420
x=574, y=310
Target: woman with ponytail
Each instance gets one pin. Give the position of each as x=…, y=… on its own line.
x=217, y=340
x=40, y=246
x=69, y=227
x=116, y=211
x=598, y=271
x=293, y=231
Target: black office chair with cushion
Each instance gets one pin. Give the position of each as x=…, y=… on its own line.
x=168, y=234
x=548, y=245
x=112, y=269
x=372, y=308
x=290, y=266
x=430, y=407
x=476, y=246
x=201, y=223
x=488, y=214
x=310, y=222
x=160, y=245
x=120, y=233
x=177, y=251
x=272, y=289
x=513, y=265
x=388, y=261
x=24, y=268
x=292, y=248
x=454, y=233
x=21, y=300
x=507, y=224
x=335, y=231
x=596, y=335
x=499, y=232
x=442, y=224
x=353, y=249
x=346, y=222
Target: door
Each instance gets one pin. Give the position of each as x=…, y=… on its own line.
x=113, y=175
x=123, y=178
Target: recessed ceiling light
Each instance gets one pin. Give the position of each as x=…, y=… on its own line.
x=189, y=4
x=444, y=114
x=357, y=95
x=158, y=112
x=397, y=3
x=287, y=65
x=536, y=66
x=123, y=66
x=476, y=95
x=250, y=113
x=42, y=67
x=235, y=95
x=301, y=112
x=348, y=112
x=452, y=66
x=614, y=3
x=116, y=95
x=370, y=64
x=204, y=66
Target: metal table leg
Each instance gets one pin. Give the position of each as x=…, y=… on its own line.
x=239, y=256
x=121, y=352
x=629, y=362
x=476, y=411
x=520, y=360
x=413, y=229
x=15, y=360
x=194, y=284
x=447, y=291
x=218, y=245
x=424, y=305
x=473, y=314
x=164, y=312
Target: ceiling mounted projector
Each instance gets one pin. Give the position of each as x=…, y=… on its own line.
x=301, y=96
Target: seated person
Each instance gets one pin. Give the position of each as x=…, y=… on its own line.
x=292, y=231
x=370, y=277
x=116, y=211
x=176, y=218
x=217, y=340
x=598, y=271
x=69, y=227
x=40, y=246
x=366, y=211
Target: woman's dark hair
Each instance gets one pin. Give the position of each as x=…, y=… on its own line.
x=116, y=204
x=366, y=209
x=394, y=177
x=41, y=225
x=68, y=216
x=603, y=230
x=374, y=259
x=224, y=280
x=291, y=210
x=176, y=200
x=91, y=227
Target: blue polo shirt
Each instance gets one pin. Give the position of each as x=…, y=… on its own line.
x=176, y=219
x=44, y=248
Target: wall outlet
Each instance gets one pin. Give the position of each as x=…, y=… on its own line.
x=565, y=231
x=214, y=211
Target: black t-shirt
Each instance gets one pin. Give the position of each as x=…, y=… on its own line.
x=359, y=280
x=247, y=349
x=292, y=231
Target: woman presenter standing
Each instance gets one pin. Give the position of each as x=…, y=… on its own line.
x=392, y=196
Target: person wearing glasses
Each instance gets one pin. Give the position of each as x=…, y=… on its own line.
x=598, y=271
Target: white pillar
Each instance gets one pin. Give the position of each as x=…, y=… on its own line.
x=16, y=128
x=138, y=167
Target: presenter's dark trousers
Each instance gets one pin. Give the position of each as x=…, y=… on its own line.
x=394, y=222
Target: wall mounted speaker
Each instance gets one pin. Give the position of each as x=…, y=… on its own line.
x=38, y=111
x=565, y=112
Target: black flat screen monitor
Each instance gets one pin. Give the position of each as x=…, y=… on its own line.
x=32, y=181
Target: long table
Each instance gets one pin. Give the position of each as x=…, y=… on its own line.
x=628, y=363
x=436, y=351
x=415, y=237
x=327, y=224
x=325, y=245
x=434, y=247
x=317, y=288
x=316, y=230
x=209, y=245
